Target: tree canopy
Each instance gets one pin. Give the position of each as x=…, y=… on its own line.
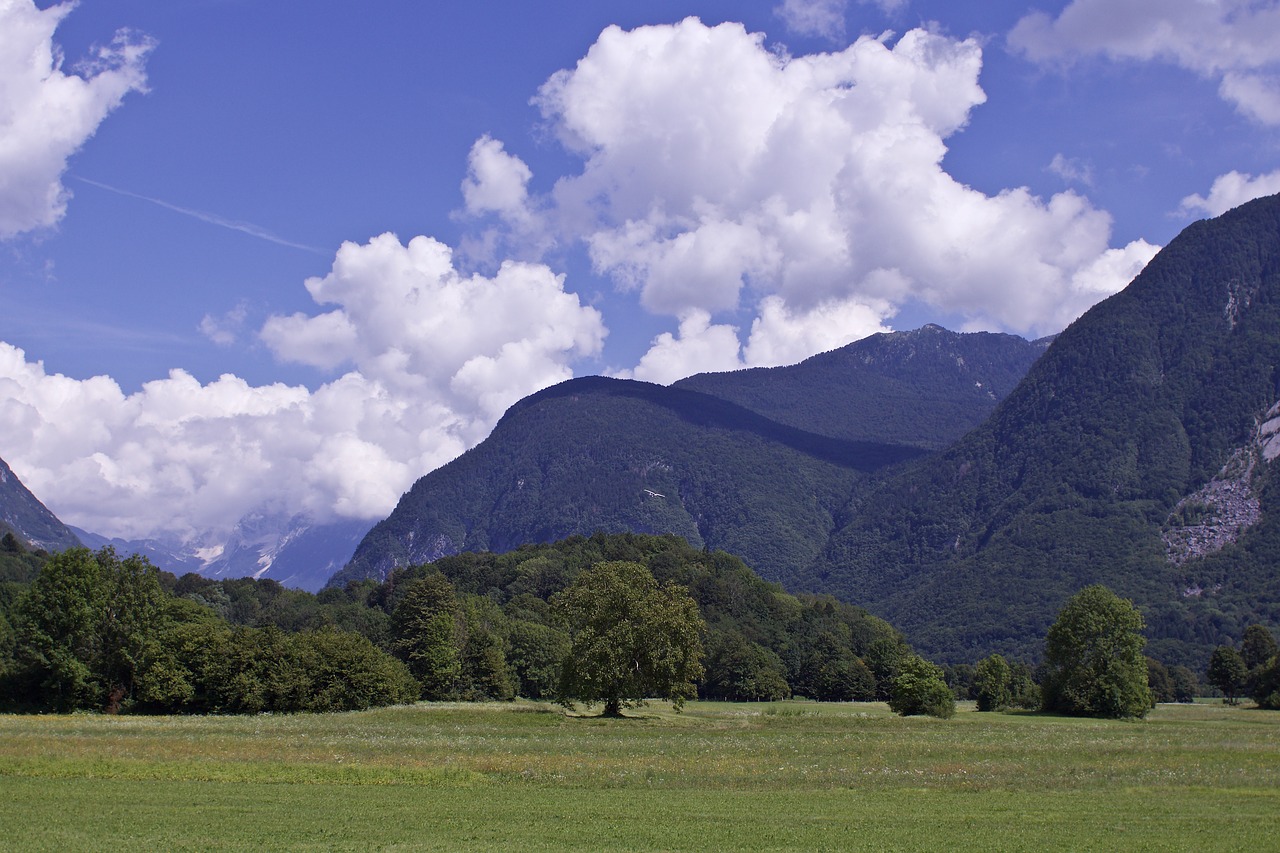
x=629, y=638
x=1094, y=665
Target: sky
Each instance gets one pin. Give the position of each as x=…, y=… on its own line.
x=290, y=256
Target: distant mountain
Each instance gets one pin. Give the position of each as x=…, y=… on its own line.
x=291, y=549
x=716, y=459
x=169, y=555
x=22, y=514
x=1136, y=453
x=294, y=550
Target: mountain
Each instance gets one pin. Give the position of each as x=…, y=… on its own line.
x=923, y=388
x=22, y=514
x=294, y=550
x=717, y=459
x=1136, y=453
x=168, y=555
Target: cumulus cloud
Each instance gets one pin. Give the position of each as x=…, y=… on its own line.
x=720, y=176
x=1236, y=42
x=700, y=346
x=410, y=321
x=496, y=182
x=783, y=336
x=432, y=358
x=46, y=114
x=1232, y=190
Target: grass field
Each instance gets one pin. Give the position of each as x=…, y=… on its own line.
x=718, y=776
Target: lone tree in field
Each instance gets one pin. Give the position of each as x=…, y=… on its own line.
x=1093, y=658
x=1228, y=673
x=919, y=688
x=630, y=639
x=993, y=682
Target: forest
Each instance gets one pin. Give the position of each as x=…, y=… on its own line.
x=96, y=631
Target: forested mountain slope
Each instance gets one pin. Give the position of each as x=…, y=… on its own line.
x=924, y=388
x=758, y=464
x=615, y=456
x=1132, y=454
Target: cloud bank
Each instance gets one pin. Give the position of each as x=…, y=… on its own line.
x=433, y=358
x=46, y=114
x=723, y=180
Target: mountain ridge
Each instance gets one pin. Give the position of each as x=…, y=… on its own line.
x=22, y=513
x=615, y=455
x=1135, y=406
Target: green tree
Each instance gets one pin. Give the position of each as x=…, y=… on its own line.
x=1159, y=682
x=1023, y=689
x=345, y=672
x=1228, y=673
x=738, y=670
x=920, y=688
x=1257, y=647
x=485, y=671
x=1258, y=650
x=1185, y=684
x=1266, y=686
x=831, y=672
x=536, y=652
x=884, y=657
x=424, y=634
x=1094, y=666
x=992, y=681
x=86, y=629
x=629, y=639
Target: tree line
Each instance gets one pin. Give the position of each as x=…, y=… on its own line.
x=606, y=618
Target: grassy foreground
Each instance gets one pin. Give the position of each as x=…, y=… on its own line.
x=719, y=776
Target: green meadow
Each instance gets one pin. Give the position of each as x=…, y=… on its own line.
x=772, y=776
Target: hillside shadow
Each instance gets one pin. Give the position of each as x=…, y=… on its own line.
x=710, y=412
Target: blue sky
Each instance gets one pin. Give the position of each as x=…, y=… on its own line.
x=291, y=256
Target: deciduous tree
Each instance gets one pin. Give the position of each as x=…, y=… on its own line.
x=1094, y=666
x=86, y=629
x=424, y=634
x=629, y=639
x=920, y=688
x=992, y=679
x=1228, y=673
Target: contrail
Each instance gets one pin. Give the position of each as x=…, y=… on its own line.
x=211, y=218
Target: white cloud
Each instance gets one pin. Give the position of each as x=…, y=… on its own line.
x=1232, y=190
x=781, y=336
x=46, y=115
x=1236, y=42
x=824, y=18
x=699, y=347
x=496, y=182
x=410, y=321
x=436, y=357
x=720, y=176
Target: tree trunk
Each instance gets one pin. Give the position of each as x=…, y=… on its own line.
x=612, y=707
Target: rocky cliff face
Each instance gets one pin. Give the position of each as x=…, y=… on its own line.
x=1220, y=512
